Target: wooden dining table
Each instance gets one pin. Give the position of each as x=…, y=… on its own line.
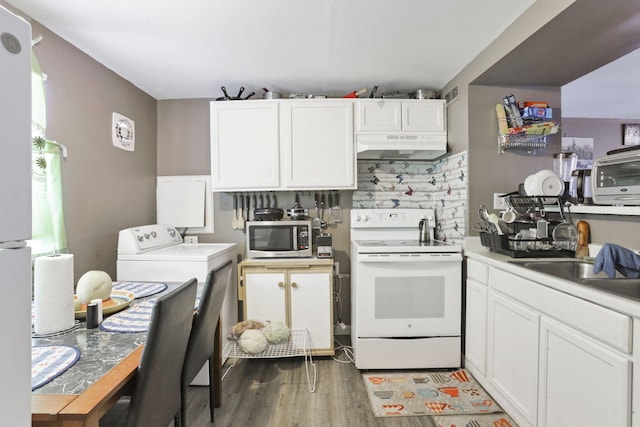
x=104, y=372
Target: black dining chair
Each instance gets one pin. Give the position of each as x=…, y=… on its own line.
x=204, y=336
x=155, y=396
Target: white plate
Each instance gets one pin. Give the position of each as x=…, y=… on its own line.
x=528, y=185
x=548, y=183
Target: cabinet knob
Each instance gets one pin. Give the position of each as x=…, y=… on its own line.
x=280, y=285
x=294, y=285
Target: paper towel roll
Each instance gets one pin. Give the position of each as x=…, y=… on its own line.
x=53, y=293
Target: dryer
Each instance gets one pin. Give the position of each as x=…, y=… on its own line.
x=158, y=253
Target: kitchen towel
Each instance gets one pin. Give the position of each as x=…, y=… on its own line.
x=53, y=293
x=612, y=257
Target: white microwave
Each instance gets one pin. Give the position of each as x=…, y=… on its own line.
x=279, y=239
x=615, y=179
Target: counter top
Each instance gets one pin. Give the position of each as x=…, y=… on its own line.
x=474, y=249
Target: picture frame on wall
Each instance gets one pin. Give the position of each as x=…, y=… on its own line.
x=631, y=134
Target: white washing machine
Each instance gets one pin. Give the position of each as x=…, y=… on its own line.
x=157, y=253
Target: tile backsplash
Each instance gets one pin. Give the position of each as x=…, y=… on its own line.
x=440, y=185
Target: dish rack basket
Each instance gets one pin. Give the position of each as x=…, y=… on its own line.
x=529, y=209
x=508, y=244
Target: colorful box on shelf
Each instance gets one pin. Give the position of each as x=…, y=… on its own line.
x=537, y=112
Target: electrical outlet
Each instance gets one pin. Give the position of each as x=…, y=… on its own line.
x=342, y=329
x=191, y=239
x=499, y=203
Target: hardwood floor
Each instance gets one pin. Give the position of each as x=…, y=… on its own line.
x=274, y=392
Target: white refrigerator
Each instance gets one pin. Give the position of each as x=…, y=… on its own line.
x=15, y=219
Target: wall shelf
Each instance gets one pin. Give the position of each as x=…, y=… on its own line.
x=521, y=142
x=599, y=210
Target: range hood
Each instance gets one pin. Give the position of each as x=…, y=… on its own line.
x=401, y=146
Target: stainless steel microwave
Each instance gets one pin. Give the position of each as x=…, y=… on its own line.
x=615, y=179
x=279, y=239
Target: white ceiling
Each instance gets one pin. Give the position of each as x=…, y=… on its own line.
x=322, y=47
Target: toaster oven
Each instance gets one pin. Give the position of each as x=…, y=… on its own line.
x=615, y=179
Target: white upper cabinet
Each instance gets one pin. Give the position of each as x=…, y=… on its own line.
x=245, y=145
x=317, y=143
x=282, y=145
x=395, y=115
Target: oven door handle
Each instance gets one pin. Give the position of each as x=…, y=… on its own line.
x=375, y=258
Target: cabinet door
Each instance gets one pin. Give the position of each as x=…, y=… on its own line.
x=318, y=144
x=582, y=382
x=244, y=145
x=512, y=364
x=265, y=296
x=424, y=116
x=476, y=325
x=378, y=115
x=311, y=296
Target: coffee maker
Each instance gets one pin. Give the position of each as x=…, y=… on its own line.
x=563, y=165
x=581, y=187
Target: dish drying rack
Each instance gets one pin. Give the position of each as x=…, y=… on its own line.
x=529, y=209
x=296, y=345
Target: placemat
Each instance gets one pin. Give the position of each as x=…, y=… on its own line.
x=140, y=289
x=47, y=362
x=136, y=319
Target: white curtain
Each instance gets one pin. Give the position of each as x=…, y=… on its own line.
x=49, y=233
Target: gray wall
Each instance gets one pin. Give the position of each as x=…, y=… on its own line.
x=104, y=189
x=472, y=120
x=184, y=149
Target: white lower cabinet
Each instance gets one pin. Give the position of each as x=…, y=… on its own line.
x=582, y=382
x=299, y=297
x=552, y=359
x=476, y=325
x=513, y=353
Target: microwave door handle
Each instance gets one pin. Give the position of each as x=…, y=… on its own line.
x=295, y=237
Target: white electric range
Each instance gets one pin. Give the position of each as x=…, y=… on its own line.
x=406, y=295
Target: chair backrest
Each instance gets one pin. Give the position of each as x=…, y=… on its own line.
x=156, y=398
x=202, y=339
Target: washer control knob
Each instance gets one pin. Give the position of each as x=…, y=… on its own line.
x=140, y=238
x=154, y=234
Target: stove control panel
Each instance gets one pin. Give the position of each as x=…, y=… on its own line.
x=140, y=239
x=390, y=218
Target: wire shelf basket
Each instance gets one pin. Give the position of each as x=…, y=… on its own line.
x=521, y=141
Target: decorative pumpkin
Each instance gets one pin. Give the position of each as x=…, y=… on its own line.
x=94, y=284
x=276, y=332
x=252, y=341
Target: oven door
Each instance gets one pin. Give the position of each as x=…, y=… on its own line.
x=409, y=295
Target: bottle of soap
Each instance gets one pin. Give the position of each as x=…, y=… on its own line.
x=582, y=248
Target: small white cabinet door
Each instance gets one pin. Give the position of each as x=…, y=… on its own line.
x=424, y=116
x=476, y=325
x=318, y=144
x=378, y=115
x=245, y=142
x=582, y=382
x=311, y=306
x=265, y=297
x=512, y=365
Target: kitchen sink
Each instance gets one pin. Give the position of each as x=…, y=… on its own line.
x=582, y=273
x=566, y=269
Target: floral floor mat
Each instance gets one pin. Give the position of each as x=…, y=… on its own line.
x=439, y=393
